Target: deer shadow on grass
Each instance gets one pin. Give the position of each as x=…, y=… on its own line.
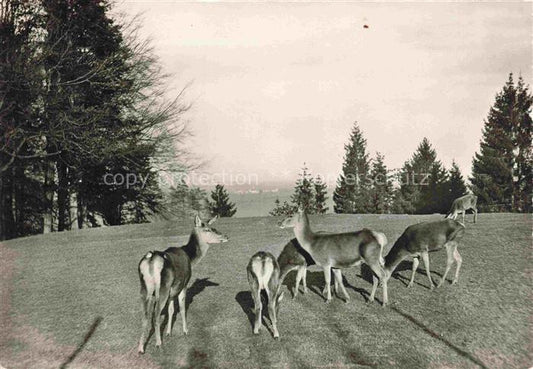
x=245, y=300
x=196, y=288
x=316, y=284
x=408, y=265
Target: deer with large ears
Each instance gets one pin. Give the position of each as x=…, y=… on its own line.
x=165, y=275
x=422, y=238
x=340, y=250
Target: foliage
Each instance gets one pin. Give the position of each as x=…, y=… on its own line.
x=352, y=192
x=501, y=170
x=221, y=205
x=381, y=191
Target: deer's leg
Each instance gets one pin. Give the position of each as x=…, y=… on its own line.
x=379, y=275
x=299, y=276
x=147, y=307
x=375, y=282
x=459, y=261
x=425, y=258
x=256, y=295
x=305, y=278
x=170, y=314
x=327, y=287
x=272, y=314
x=159, y=306
x=339, y=285
x=450, y=246
x=475, y=214
x=414, y=268
x=183, y=309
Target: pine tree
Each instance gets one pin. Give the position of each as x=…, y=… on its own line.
x=352, y=192
x=304, y=195
x=457, y=186
x=420, y=179
x=321, y=191
x=381, y=191
x=501, y=171
x=221, y=205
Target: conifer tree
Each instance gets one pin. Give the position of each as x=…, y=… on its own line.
x=352, y=192
x=304, y=191
x=221, y=205
x=321, y=191
x=501, y=170
x=381, y=191
x=457, y=187
x=421, y=179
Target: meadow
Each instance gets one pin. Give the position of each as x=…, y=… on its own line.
x=53, y=287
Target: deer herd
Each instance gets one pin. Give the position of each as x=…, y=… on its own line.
x=165, y=275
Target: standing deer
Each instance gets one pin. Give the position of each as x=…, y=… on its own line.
x=420, y=239
x=340, y=250
x=461, y=205
x=294, y=257
x=264, y=274
x=165, y=275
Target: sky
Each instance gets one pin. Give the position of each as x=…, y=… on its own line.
x=274, y=85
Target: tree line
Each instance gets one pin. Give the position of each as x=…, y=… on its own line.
x=501, y=170
x=81, y=96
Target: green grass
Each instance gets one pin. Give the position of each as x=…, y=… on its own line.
x=54, y=286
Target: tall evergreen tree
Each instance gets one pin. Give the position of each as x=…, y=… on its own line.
x=321, y=191
x=457, y=186
x=304, y=195
x=381, y=191
x=501, y=171
x=352, y=192
x=421, y=180
x=221, y=205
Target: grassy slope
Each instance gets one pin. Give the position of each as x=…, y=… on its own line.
x=61, y=282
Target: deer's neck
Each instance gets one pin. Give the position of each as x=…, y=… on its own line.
x=304, y=234
x=396, y=255
x=196, y=248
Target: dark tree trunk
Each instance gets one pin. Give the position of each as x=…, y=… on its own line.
x=6, y=205
x=63, y=204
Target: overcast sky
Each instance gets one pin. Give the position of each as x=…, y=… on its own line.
x=275, y=85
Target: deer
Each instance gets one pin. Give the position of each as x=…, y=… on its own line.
x=419, y=239
x=461, y=205
x=166, y=274
x=263, y=273
x=336, y=251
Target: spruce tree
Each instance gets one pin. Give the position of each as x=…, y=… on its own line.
x=456, y=183
x=501, y=170
x=321, y=191
x=352, y=192
x=304, y=191
x=381, y=190
x=421, y=181
x=221, y=205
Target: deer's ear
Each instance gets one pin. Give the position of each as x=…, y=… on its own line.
x=213, y=220
x=197, y=221
x=280, y=296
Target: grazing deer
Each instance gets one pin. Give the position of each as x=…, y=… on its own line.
x=420, y=239
x=461, y=205
x=264, y=274
x=165, y=275
x=340, y=250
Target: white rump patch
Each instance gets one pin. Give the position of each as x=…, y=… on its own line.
x=382, y=240
x=263, y=274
